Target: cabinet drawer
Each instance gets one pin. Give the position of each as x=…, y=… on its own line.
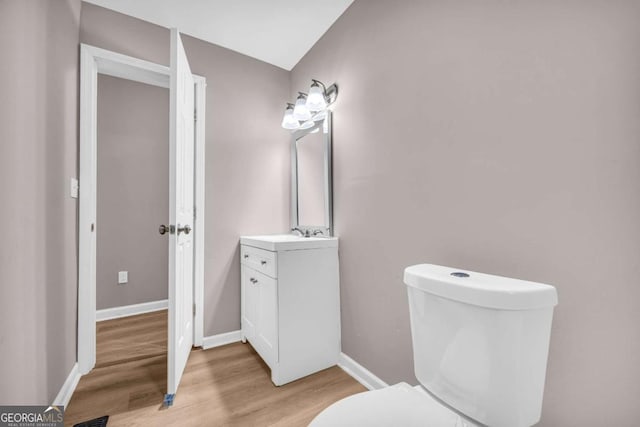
x=259, y=259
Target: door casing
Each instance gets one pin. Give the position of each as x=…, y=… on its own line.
x=94, y=61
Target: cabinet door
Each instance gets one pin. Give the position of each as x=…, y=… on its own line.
x=249, y=298
x=266, y=340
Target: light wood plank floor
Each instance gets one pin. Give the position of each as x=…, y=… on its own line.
x=131, y=338
x=224, y=386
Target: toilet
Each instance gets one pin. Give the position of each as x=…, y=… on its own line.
x=480, y=345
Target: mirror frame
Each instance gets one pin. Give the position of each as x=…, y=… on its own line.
x=327, y=227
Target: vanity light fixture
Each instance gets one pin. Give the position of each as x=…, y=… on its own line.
x=300, y=111
x=288, y=121
x=310, y=108
x=308, y=124
x=321, y=115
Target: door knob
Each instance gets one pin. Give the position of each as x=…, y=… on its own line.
x=166, y=229
x=186, y=229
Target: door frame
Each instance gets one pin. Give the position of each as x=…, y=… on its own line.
x=94, y=61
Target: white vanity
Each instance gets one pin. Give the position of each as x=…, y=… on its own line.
x=291, y=302
x=290, y=288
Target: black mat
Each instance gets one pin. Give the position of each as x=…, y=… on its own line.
x=97, y=422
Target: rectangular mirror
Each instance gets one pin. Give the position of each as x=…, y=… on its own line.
x=311, y=189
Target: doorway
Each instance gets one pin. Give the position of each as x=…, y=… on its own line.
x=132, y=199
x=181, y=82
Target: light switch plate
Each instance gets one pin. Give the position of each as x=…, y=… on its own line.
x=74, y=188
x=123, y=277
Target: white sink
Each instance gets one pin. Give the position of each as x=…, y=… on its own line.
x=288, y=242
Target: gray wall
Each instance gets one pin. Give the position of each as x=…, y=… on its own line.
x=133, y=196
x=502, y=137
x=38, y=146
x=247, y=158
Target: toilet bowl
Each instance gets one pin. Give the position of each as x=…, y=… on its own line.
x=480, y=346
x=398, y=405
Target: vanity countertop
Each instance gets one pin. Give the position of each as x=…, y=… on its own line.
x=288, y=242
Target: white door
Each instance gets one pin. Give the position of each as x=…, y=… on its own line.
x=181, y=185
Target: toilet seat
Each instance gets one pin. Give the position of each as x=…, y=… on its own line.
x=398, y=405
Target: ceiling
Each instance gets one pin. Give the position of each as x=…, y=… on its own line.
x=279, y=32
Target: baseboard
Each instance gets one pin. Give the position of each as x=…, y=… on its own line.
x=130, y=310
x=221, y=339
x=360, y=373
x=69, y=386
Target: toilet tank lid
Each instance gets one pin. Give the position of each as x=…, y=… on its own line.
x=484, y=290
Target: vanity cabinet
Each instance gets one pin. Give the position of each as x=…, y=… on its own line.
x=290, y=311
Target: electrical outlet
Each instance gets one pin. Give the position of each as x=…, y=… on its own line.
x=123, y=277
x=73, y=188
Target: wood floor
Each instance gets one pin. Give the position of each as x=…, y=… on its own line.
x=223, y=386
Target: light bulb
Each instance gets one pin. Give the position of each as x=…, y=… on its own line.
x=300, y=111
x=316, y=100
x=288, y=121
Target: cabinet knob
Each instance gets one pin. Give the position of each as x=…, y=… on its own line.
x=263, y=262
x=246, y=256
x=252, y=280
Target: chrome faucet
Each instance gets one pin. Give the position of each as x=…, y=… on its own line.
x=302, y=233
x=316, y=232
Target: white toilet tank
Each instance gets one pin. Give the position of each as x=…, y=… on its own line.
x=480, y=342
